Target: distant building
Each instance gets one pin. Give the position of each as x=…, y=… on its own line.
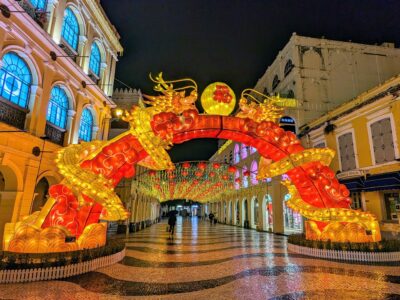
x=322, y=73
x=265, y=211
x=124, y=98
x=58, y=62
x=365, y=133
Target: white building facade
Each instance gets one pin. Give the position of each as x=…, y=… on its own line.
x=321, y=74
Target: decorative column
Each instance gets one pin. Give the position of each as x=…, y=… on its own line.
x=51, y=9
x=106, y=127
x=81, y=51
x=95, y=131
x=32, y=116
x=103, y=77
x=277, y=207
x=70, y=121
x=81, y=101
x=260, y=212
x=85, y=45
x=57, y=20
x=109, y=88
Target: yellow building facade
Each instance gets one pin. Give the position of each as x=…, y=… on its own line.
x=57, y=70
x=365, y=134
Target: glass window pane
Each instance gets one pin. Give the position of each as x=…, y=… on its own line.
x=58, y=107
x=70, y=30
x=86, y=126
x=15, y=79
x=95, y=59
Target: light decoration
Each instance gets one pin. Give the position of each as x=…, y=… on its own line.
x=345, y=224
x=218, y=99
x=323, y=155
x=212, y=179
x=92, y=170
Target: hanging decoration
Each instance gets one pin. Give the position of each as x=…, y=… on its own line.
x=70, y=218
x=199, y=181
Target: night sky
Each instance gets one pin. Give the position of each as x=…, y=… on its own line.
x=233, y=41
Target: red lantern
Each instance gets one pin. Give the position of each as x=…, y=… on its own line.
x=232, y=169
x=225, y=177
x=212, y=174
x=186, y=165
x=202, y=166
x=216, y=166
x=237, y=180
x=198, y=174
x=184, y=173
x=152, y=172
x=246, y=173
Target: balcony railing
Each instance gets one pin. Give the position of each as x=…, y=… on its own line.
x=12, y=114
x=67, y=49
x=40, y=16
x=55, y=134
x=94, y=78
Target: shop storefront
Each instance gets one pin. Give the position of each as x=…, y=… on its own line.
x=293, y=220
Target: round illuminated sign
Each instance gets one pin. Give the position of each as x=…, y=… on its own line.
x=218, y=99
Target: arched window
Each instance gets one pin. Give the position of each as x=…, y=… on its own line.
x=275, y=82
x=288, y=67
x=243, y=151
x=253, y=173
x=236, y=153
x=288, y=124
x=70, y=30
x=58, y=107
x=39, y=4
x=290, y=94
x=15, y=80
x=86, y=126
x=95, y=60
x=237, y=180
x=245, y=179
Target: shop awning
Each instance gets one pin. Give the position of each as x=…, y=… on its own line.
x=369, y=183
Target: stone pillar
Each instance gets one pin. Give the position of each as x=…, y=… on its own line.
x=81, y=50
x=103, y=76
x=57, y=20
x=95, y=133
x=34, y=104
x=23, y=208
x=70, y=121
x=109, y=88
x=86, y=47
x=81, y=101
x=261, y=217
x=277, y=207
x=106, y=127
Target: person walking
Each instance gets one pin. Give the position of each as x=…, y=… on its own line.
x=211, y=217
x=171, y=223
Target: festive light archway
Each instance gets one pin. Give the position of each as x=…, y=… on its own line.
x=69, y=220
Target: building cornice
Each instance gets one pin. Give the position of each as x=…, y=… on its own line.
x=100, y=18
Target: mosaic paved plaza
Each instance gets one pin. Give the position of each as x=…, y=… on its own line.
x=206, y=261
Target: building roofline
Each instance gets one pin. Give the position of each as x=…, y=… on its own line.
x=390, y=86
x=102, y=19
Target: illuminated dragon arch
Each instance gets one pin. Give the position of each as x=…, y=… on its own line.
x=91, y=171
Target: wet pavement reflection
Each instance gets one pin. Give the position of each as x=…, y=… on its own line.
x=205, y=261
